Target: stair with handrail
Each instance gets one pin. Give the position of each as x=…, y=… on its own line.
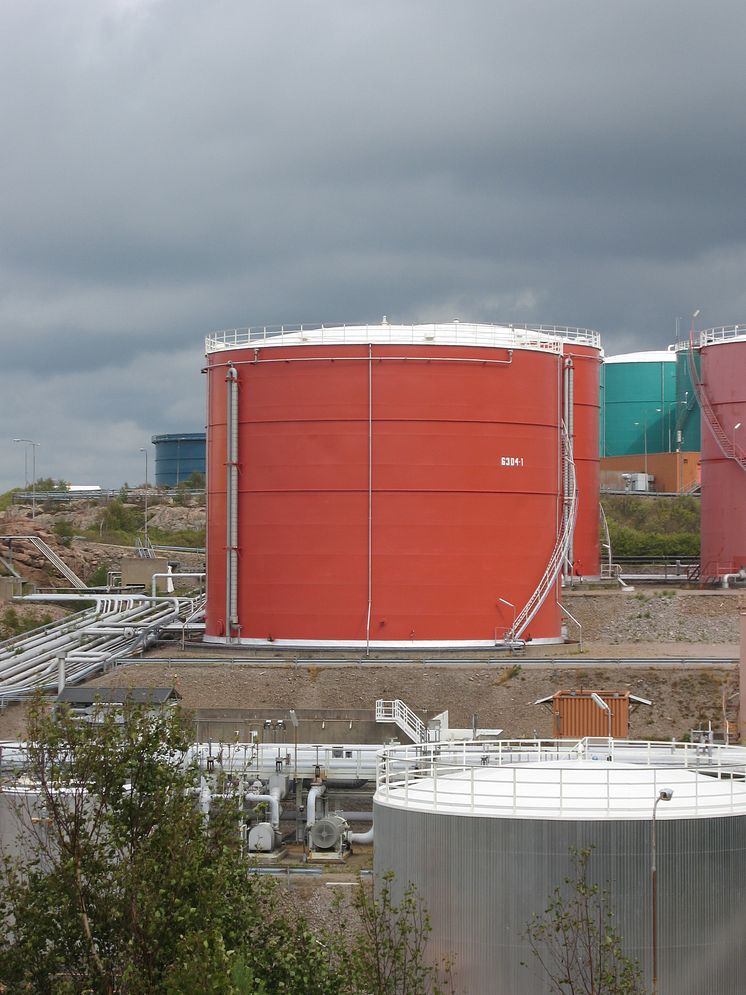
x=401, y=715
x=727, y=446
x=559, y=553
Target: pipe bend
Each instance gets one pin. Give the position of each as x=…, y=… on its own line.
x=366, y=837
x=313, y=793
x=274, y=806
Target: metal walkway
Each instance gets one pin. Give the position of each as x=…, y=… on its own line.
x=84, y=644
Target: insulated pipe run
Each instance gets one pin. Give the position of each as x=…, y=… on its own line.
x=366, y=837
x=231, y=497
x=206, y=796
x=370, y=498
x=274, y=806
x=277, y=794
x=313, y=793
x=570, y=430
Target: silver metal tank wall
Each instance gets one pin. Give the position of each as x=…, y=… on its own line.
x=20, y=815
x=483, y=877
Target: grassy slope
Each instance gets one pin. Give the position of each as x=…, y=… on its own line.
x=648, y=526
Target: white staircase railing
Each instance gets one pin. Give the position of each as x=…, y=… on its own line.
x=53, y=558
x=402, y=715
x=559, y=553
x=727, y=446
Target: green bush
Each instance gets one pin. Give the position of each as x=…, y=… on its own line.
x=13, y=624
x=99, y=576
x=6, y=499
x=628, y=541
x=646, y=526
x=64, y=530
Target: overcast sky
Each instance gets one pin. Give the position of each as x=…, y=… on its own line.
x=169, y=167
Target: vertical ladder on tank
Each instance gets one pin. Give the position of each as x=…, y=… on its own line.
x=560, y=551
x=727, y=446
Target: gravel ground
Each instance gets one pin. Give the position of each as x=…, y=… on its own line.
x=656, y=616
x=646, y=624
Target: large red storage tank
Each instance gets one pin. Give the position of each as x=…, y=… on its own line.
x=723, y=402
x=393, y=485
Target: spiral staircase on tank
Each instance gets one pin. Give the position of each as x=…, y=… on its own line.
x=727, y=446
x=561, y=551
x=712, y=573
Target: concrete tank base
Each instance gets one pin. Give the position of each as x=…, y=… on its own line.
x=377, y=645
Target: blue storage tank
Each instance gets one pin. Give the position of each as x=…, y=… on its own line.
x=178, y=456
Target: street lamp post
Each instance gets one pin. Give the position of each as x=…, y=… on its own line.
x=664, y=795
x=605, y=707
x=735, y=429
x=146, y=495
x=30, y=442
x=510, y=605
x=645, y=441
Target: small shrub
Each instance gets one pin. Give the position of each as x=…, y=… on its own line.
x=64, y=530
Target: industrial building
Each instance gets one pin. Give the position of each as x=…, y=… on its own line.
x=399, y=485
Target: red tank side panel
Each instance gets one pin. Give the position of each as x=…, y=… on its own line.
x=216, y=490
x=723, y=508
x=586, y=546
x=464, y=492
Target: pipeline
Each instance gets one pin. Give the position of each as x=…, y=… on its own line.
x=313, y=793
x=569, y=414
x=365, y=838
x=231, y=497
x=272, y=799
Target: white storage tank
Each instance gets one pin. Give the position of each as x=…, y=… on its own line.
x=484, y=831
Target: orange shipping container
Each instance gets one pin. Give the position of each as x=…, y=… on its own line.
x=576, y=714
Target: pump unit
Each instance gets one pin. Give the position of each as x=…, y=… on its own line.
x=262, y=838
x=328, y=836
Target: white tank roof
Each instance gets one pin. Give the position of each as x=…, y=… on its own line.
x=567, y=781
x=655, y=356
x=542, y=338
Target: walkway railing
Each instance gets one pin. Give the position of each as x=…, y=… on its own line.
x=591, y=778
x=402, y=715
x=547, y=338
x=726, y=444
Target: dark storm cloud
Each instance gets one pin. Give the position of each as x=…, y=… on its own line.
x=173, y=166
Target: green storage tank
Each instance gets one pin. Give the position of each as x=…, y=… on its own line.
x=688, y=421
x=638, y=403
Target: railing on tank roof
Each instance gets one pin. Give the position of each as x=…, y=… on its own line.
x=711, y=336
x=509, y=777
x=547, y=338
